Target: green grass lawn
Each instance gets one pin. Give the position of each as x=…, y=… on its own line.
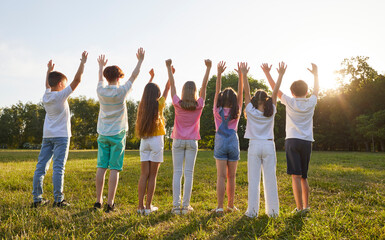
x=347, y=200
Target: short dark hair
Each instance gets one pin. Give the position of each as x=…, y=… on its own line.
x=112, y=72
x=299, y=88
x=55, y=77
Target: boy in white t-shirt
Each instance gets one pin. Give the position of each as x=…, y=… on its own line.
x=112, y=127
x=299, y=134
x=56, y=133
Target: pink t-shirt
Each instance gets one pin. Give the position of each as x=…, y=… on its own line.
x=233, y=124
x=186, y=123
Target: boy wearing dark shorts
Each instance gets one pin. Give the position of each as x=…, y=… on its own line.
x=299, y=134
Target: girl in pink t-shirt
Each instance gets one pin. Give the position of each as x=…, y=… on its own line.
x=185, y=135
x=227, y=111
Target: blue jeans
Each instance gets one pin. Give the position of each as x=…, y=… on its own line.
x=58, y=148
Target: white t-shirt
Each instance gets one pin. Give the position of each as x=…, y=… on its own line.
x=299, y=117
x=113, y=110
x=258, y=126
x=57, y=121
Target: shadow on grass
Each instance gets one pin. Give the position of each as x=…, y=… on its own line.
x=293, y=226
x=244, y=228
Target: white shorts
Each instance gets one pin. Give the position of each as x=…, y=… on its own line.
x=151, y=149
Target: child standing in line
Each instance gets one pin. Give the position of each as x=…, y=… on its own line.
x=185, y=134
x=299, y=134
x=150, y=127
x=56, y=133
x=112, y=127
x=260, y=111
x=227, y=109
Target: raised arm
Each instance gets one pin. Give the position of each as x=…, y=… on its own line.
x=171, y=80
x=266, y=69
x=281, y=71
x=79, y=73
x=50, y=67
x=221, y=68
x=314, y=71
x=240, y=91
x=244, y=69
x=102, y=63
x=135, y=73
x=152, y=74
x=202, y=92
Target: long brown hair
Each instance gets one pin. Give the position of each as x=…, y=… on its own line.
x=148, y=117
x=228, y=98
x=189, y=101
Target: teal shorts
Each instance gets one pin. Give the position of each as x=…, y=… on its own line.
x=111, y=151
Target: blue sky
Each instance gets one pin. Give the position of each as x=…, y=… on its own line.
x=297, y=32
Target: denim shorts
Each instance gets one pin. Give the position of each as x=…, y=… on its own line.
x=226, y=148
x=151, y=149
x=111, y=151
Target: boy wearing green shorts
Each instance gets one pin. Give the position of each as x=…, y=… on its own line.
x=112, y=127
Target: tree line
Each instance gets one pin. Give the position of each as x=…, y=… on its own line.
x=351, y=117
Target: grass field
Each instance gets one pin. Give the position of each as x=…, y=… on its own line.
x=347, y=200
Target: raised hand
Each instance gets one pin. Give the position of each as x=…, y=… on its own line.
x=102, y=61
x=265, y=67
x=151, y=72
x=140, y=54
x=244, y=68
x=50, y=66
x=208, y=63
x=221, y=67
x=172, y=69
x=281, y=68
x=314, y=69
x=84, y=57
x=239, y=69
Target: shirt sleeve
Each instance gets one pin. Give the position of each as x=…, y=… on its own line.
x=201, y=102
x=64, y=94
x=249, y=107
x=127, y=86
x=274, y=109
x=284, y=99
x=313, y=99
x=175, y=100
x=162, y=103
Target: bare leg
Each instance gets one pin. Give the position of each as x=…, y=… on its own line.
x=297, y=190
x=144, y=172
x=305, y=192
x=221, y=179
x=231, y=173
x=154, y=166
x=100, y=176
x=112, y=185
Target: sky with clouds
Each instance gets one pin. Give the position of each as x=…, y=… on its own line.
x=298, y=32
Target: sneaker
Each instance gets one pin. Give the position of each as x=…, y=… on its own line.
x=110, y=208
x=296, y=211
x=97, y=206
x=218, y=211
x=151, y=210
x=176, y=210
x=306, y=210
x=186, y=210
x=63, y=203
x=42, y=202
x=233, y=209
x=140, y=211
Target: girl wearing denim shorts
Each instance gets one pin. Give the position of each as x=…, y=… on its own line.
x=185, y=135
x=150, y=127
x=227, y=107
x=260, y=111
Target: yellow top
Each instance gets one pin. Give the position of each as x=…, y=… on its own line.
x=160, y=130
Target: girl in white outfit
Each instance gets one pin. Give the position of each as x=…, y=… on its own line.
x=260, y=111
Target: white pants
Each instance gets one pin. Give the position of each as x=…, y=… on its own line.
x=261, y=154
x=183, y=150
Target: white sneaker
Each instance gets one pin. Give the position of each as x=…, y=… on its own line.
x=151, y=210
x=140, y=211
x=186, y=210
x=176, y=210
